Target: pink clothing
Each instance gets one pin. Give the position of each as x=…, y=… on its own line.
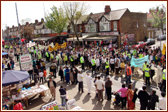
x=18, y=107
x=123, y=92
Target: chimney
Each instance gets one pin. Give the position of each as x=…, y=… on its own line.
x=36, y=21
x=42, y=20
x=107, y=9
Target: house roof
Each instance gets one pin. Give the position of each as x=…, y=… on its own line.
x=112, y=15
x=83, y=18
x=115, y=15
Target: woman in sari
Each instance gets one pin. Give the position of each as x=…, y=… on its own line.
x=130, y=94
x=67, y=75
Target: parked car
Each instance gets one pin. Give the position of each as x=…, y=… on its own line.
x=139, y=44
x=161, y=37
x=150, y=41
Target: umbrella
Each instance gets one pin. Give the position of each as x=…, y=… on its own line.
x=4, y=53
x=13, y=77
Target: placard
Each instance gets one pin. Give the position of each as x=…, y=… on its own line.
x=26, y=62
x=50, y=106
x=71, y=104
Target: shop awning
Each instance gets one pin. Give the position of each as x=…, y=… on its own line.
x=100, y=38
x=42, y=38
x=75, y=39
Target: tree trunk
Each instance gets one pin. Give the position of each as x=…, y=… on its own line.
x=75, y=31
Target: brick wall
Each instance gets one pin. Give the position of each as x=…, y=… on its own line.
x=128, y=24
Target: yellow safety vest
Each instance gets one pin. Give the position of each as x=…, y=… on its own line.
x=147, y=72
x=164, y=74
x=144, y=66
x=107, y=65
x=81, y=60
x=51, y=56
x=94, y=63
x=65, y=58
x=140, y=55
x=71, y=58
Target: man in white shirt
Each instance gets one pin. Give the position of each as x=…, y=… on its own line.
x=89, y=82
x=80, y=80
x=162, y=102
x=100, y=88
x=103, y=63
x=112, y=64
x=97, y=63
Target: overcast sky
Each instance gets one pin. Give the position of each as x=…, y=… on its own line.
x=35, y=10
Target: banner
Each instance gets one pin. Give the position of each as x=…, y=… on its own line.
x=57, y=46
x=26, y=62
x=50, y=49
x=164, y=49
x=51, y=106
x=139, y=62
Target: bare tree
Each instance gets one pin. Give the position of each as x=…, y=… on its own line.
x=74, y=11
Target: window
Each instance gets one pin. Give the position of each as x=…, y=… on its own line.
x=91, y=26
x=80, y=28
x=144, y=24
x=115, y=25
x=71, y=29
x=137, y=24
x=104, y=25
x=86, y=28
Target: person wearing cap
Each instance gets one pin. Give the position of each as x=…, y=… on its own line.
x=89, y=82
x=52, y=86
x=108, y=85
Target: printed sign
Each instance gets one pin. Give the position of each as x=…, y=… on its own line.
x=26, y=62
x=30, y=44
x=108, y=33
x=51, y=106
x=71, y=104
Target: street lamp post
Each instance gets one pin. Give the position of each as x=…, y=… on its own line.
x=18, y=26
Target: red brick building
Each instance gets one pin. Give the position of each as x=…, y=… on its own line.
x=116, y=24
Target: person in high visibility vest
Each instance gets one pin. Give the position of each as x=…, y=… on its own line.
x=47, y=56
x=147, y=75
x=129, y=55
x=57, y=58
x=29, y=50
x=141, y=55
x=35, y=52
x=107, y=67
x=39, y=55
x=82, y=62
x=65, y=59
x=144, y=66
x=134, y=52
x=163, y=85
x=11, y=47
x=93, y=62
x=51, y=57
x=72, y=61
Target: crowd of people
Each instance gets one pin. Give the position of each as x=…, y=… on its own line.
x=111, y=61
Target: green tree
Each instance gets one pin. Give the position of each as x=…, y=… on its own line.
x=159, y=17
x=56, y=20
x=74, y=11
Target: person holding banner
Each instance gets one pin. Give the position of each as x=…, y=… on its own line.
x=140, y=55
